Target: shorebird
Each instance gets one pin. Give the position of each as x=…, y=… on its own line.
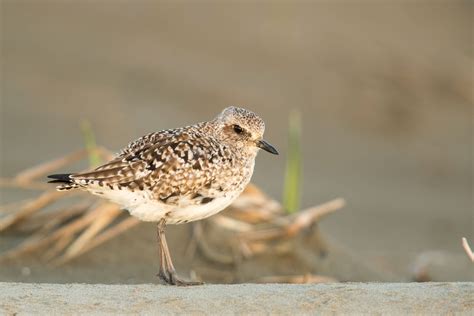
x=179, y=175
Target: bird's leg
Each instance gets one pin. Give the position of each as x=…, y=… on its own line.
x=160, y=234
x=167, y=272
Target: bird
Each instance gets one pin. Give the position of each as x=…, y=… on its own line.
x=180, y=175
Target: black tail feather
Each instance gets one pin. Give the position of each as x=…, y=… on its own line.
x=60, y=178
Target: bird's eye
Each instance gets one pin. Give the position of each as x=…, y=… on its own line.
x=238, y=129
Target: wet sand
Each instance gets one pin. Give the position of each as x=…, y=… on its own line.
x=368, y=298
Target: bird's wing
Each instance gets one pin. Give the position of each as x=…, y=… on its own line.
x=169, y=163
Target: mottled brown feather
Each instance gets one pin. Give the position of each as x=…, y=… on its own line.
x=178, y=162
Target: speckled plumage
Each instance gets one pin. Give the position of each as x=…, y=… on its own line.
x=182, y=174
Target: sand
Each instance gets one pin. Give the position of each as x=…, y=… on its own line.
x=373, y=298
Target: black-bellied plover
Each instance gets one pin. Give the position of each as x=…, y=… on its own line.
x=179, y=175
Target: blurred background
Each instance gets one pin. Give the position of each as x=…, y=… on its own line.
x=384, y=90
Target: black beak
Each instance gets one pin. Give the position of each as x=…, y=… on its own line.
x=267, y=147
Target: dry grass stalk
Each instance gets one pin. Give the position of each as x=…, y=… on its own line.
x=232, y=224
x=54, y=229
x=30, y=208
x=312, y=215
x=32, y=185
x=105, y=215
x=57, y=248
x=13, y=206
x=110, y=233
x=38, y=241
x=294, y=224
x=254, y=207
x=253, y=240
x=52, y=220
x=104, y=153
x=48, y=167
x=207, y=250
x=467, y=249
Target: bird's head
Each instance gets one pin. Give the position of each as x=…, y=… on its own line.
x=242, y=129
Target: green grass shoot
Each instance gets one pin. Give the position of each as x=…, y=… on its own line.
x=293, y=172
x=90, y=143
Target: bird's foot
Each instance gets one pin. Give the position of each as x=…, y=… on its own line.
x=171, y=278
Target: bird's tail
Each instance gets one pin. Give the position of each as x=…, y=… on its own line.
x=65, y=180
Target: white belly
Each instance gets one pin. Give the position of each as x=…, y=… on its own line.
x=153, y=211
